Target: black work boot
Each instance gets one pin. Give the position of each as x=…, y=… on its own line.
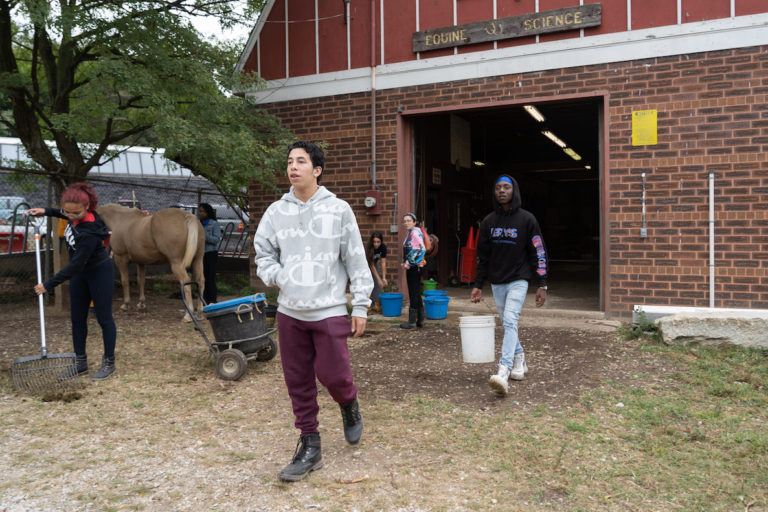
x=411, y=323
x=307, y=457
x=107, y=368
x=76, y=369
x=420, y=316
x=353, y=422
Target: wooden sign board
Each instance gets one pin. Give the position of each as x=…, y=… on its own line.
x=557, y=20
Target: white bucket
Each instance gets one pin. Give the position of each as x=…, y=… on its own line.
x=477, y=338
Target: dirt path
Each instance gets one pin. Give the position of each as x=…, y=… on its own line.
x=167, y=434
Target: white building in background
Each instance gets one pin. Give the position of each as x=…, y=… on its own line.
x=129, y=161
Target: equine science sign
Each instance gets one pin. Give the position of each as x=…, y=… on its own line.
x=557, y=20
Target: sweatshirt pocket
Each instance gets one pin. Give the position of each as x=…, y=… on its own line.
x=304, y=280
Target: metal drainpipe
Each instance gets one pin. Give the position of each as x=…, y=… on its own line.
x=373, y=93
x=711, y=239
x=644, y=228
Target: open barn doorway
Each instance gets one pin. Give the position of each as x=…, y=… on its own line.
x=553, y=149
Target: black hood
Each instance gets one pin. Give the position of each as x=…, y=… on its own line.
x=97, y=228
x=516, y=202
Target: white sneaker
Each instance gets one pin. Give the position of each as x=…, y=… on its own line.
x=498, y=382
x=519, y=368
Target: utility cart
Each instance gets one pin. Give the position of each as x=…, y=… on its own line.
x=240, y=329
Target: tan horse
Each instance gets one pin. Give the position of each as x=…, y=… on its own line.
x=170, y=236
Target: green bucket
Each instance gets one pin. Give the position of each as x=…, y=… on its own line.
x=429, y=284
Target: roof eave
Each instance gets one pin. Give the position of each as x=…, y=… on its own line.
x=254, y=36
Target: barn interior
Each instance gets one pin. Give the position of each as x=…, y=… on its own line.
x=552, y=150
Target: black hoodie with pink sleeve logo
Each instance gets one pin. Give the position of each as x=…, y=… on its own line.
x=510, y=246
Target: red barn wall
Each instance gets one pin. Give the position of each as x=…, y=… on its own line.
x=360, y=34
x=399, y=22
x=301, y=37
x=272, y=43
x=698, y=10
x=333, y=38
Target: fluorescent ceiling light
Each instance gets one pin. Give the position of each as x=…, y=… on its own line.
x=571, y=153
x=534, y=113
x=478, y=163
x=554, y=138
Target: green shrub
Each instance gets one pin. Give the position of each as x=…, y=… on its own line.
x=643, y=327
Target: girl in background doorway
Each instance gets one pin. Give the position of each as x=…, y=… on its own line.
x=376, y=253
x=413, y=261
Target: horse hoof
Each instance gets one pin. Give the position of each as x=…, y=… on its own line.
x=124, y=307
x=141, y=305
x=186, y=319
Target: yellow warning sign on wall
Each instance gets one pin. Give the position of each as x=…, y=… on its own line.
x=644, y=132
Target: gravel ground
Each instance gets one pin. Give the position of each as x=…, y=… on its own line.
x=167, y=434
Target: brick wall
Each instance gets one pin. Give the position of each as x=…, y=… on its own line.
x=712, y=115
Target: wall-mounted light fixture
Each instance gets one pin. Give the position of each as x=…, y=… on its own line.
x=478, y=163
x=554, y=138
x=534, y=113
x=588, y=167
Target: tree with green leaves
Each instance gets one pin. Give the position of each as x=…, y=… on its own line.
x=79, y=76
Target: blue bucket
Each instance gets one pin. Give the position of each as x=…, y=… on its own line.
x=391, y=304
x=436, y=307
x=435, y=293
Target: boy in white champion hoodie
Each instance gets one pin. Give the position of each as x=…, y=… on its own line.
x=309, y=245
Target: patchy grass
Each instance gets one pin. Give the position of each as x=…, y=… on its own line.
x=167, y=434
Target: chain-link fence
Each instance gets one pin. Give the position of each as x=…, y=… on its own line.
x=20, y=191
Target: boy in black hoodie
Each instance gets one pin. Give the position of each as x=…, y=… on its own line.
x=90, y=271
x=510, y=252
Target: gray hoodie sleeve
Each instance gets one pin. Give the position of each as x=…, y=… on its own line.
x=353, y=256
x=267, y=253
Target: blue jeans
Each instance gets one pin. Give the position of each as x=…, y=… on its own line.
x=509, y=299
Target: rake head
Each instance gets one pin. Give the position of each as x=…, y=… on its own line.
x=40, y=374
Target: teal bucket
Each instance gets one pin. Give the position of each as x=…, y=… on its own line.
x=391, y=304
x=436, y=307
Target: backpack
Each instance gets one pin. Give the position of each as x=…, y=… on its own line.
x=427, y=241
x=430, y=245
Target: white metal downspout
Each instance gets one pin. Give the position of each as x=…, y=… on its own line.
x=287, y=43
x=349, y=44
x=373, y=93
x=711, y=239
x=644, y=228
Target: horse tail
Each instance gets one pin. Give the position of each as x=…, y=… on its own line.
x=191, y=250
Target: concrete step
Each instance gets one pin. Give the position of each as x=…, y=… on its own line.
x=488, y=307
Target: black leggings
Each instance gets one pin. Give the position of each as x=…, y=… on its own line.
x=96, y=285
x=413, y=278
x=210, y=294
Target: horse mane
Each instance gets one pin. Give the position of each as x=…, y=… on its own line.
x=191, y=250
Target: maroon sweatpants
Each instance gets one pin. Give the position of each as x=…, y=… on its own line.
x=315, y=349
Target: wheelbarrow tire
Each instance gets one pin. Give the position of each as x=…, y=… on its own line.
x=231, y=364
x=268, y=352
